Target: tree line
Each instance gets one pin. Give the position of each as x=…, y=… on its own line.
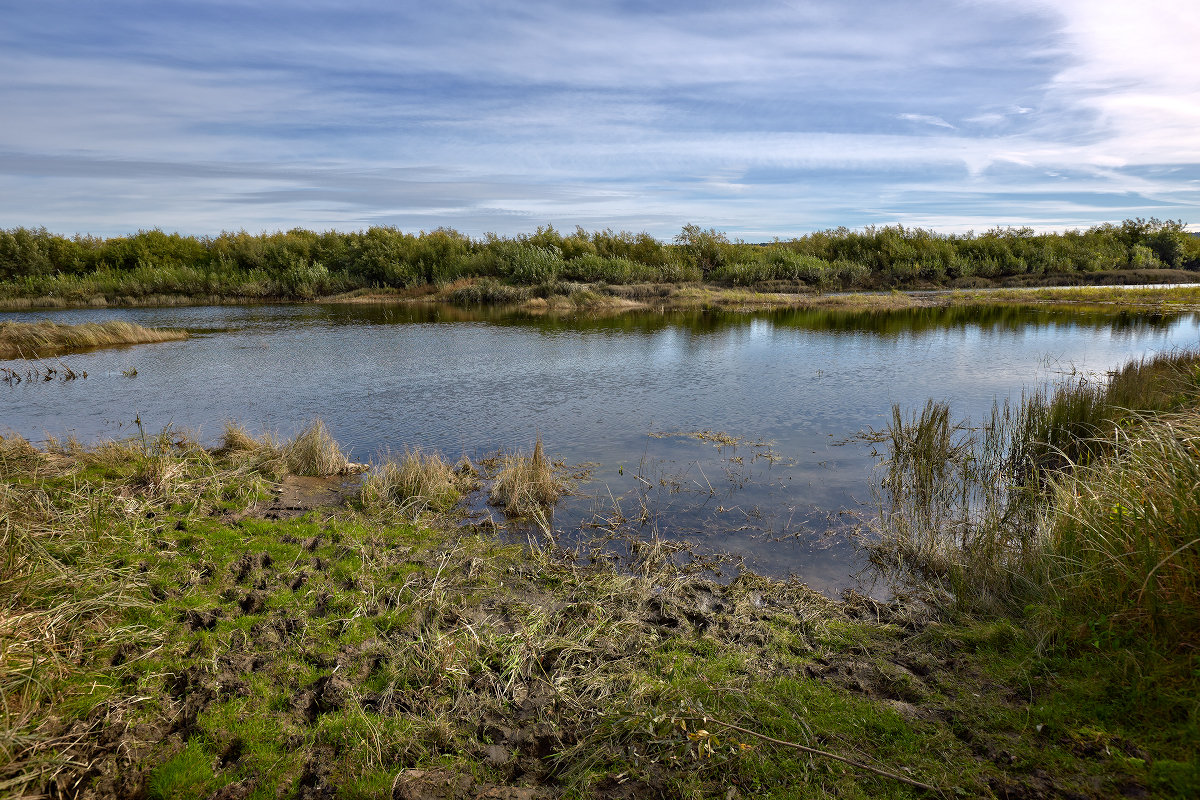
x=305, y=264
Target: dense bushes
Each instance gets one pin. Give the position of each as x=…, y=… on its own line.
x=305, y=264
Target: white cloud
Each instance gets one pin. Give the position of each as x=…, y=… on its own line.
x=926, y=119
x=549, y=112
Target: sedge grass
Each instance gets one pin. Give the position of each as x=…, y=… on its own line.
x=527, y=485
x=414, y=483
x=37, y=339
x=1125, y=534
x=1084, y=500
x=314, y=451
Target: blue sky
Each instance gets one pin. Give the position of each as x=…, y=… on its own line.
x=761, y=119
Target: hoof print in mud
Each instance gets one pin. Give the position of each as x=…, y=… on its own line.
x=421, y=784
x=201, y=620
x=324, y=695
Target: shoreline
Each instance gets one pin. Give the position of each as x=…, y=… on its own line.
x=606, y=299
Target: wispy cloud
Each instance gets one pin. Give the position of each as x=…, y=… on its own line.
x=926, y=119
x=767, y=119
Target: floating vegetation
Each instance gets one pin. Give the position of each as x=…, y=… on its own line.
x=718, y=438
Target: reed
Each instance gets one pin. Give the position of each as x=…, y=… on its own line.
x=527, y=485
x=38, y=339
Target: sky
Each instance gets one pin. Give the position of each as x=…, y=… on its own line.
x=760, y=119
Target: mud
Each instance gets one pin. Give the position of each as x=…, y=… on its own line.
x=298, y=495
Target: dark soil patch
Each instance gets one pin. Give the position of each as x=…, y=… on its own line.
x=297, y=495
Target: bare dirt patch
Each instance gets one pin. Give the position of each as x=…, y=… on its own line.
x=297, y=495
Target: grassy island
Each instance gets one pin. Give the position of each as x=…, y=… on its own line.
x=253, y=620
x=38, y=339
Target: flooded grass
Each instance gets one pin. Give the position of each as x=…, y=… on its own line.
x=39, y=339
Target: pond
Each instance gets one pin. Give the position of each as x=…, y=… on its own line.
x=788, y=391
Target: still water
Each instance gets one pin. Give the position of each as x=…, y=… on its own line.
x=795, y=387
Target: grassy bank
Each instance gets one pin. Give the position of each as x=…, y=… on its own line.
x=1074, y=517
x=38, y=339
x=41, y=269
x=175, y=624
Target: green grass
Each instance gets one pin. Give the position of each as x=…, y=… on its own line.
x=202, y=649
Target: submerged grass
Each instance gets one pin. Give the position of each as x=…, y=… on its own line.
x=38, y=339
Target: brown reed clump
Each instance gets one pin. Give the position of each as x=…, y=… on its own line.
x=38, y=339
x=527, y=484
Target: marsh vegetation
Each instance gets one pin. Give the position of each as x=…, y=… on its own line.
x=164, y=637
x=38, y=339
x=254, y=617
x=41, y=269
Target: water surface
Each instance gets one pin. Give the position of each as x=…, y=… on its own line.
x=794, y=386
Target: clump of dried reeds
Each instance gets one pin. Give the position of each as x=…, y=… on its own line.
x=414, y=483
x=527, y=485
x=315, y=452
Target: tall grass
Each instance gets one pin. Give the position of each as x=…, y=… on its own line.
x=414, y=483
x=1084, y=501
x=36, y=339
x=1124, y=539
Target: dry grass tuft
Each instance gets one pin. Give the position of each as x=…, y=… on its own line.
x=527, y=485
x=236, y=439
x=315, y=452
x=415, y=483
